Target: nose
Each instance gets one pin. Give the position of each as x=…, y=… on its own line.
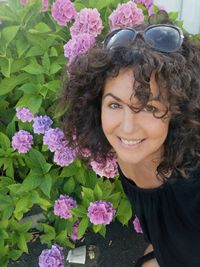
x=130, y=122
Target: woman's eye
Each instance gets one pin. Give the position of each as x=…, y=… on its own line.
x=150, y=109
x=114, y=105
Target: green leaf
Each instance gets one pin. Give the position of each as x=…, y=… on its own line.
x=34, y=68
x=98, y=193
x=35, y=51
x=22, y=243
x=69, y=186
x=88, y=193
x=53, y=52
x=21, y=46
x=102, y=231
x=22, y=204
x=32, y=181
x=114, y=198
x=173, y=15
x=5, y=64
x=4, y=141
x=46, y=185
x=33, y=102
x=124, y=211
x=8, y=84
x=46, y=63
x=80, y=211
x=42, y=27
x=37, y=161
x=54, y=86
x=55, y=67
x=82, y=227
x=9, y=33
x=96, y=228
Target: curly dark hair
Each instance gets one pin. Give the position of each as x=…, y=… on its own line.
x=179, y=72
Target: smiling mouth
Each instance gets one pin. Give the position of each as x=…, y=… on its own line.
x=133, y=142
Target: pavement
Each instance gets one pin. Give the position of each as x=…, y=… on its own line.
x=121, y=247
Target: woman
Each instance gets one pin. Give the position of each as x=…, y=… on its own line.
x=137, y=97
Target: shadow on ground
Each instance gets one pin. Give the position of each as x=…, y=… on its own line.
x=120, y=248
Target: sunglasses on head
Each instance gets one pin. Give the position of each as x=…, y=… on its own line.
x=161, y=37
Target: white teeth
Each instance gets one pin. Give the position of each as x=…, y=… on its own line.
x=131, y=142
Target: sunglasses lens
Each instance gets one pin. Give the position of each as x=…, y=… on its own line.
x=120, y=38
x=163, y=38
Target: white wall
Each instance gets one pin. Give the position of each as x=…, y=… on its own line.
x=189, y=12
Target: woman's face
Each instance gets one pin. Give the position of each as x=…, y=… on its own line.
x=135, y=137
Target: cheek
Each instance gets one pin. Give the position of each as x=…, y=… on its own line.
x=158, y=129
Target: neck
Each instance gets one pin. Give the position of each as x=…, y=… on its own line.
x=144, y=175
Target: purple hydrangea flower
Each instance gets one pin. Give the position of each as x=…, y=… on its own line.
x=85, y=152
x=101, y=212
x=74, y=233
x=137, y=226
x=64, y=156
x=63, y=11
x=79, y=44
x=45, y=5
x=53, y=257
x=126, y=15
x=53, y=138
x=108, y=170
x=24, y=2
x=63, y=205
x=24, y=114
x=87, y=21
x=41, y=124
x=22, y=141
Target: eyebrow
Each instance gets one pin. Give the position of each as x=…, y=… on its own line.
x=156, y=98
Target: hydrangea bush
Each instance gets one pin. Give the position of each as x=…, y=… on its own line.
x=38, y=168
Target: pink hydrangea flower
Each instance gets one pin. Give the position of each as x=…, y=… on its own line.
x=45, y=5
x=22, y=141
x=85, y=152
x=74, y=233
x=79, y=44
x=24, y=114
x=108, y=170
x=126, y=15
x=53, y=138
x=24, y=2
x=137, y=226
x=101, y=212
x=87, y=21
x=63, y=205
x=53, y=257
x=146, y=3
x=63, y=11
x=64, y=155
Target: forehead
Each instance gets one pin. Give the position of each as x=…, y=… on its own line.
x=124, y=84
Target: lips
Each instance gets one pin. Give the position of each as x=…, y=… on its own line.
x=132, y=142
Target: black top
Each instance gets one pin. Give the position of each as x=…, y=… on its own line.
x=170, y=218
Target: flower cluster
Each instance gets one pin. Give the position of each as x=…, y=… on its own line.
x=53, y=138
x=109, y=169
x=137, y=226
x=101, y=212
x=63, y=11
x=74, y=233
x=45, y=5
x=126, y=15
x=41, y=124
x=63, y=205
x=53, y=257
x=24, y=114
x=22, y=141
x=24, y=2
x=87, y=21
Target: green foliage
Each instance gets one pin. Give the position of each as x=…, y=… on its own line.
x=32, y=68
